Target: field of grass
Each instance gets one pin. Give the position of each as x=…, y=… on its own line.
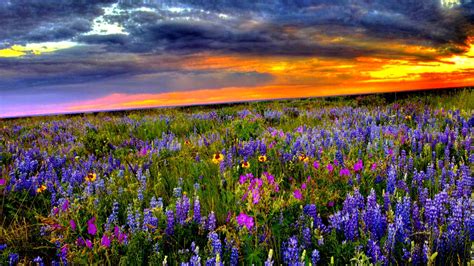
x=381, y=179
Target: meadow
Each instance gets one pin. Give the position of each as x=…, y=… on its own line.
x=332, y=181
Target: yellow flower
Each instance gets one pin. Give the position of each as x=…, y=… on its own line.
x=303, y=158
x=217, y=158
x=41, y=189
x=91, y=177
x=245, y=164
x=408, y=117
x=262, y=158
x=187, y=142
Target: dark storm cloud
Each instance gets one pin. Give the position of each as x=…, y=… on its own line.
x=253, y=27
x=195, y=29
x=24, y=21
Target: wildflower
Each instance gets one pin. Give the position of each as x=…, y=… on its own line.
x=262, y=158
x=344, y=172
x=170, y=222
x=91, y=227
x=297, y=194
x=215, y=243
x=217, y=158
x=408, y=117
x=187, y=142
x=39, y=261
x=89, y=244
x=41, y=189
x=73, y=225
x=330, y=168
x=303, y=158
x=291, y=251
x=211, y=224
x=13, y=258
x=197, y=210
x=91, y=177
x=315, y=257
x=105, y=241
x=3, y=181
x=358, y=166
x=234, y=256
x=316, y=165
x=245, y=164
x=373, y=167
x=245, y=220
x=269, y=261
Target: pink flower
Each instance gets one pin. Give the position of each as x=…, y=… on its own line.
x=88, y=243
x=3, y=181
x=358, y=166
x=73, y=225
x=297, y=194
x=344, y=172
x=91, y=227
x=303, y=186
x=330, y=168
x=143, y=151
x=373, y=167
x=245, y=220
x=105, y=241
x=316, y=164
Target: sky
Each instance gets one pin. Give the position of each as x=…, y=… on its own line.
x=63, y=56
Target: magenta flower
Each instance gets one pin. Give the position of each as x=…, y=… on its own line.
x=373, y=167
x=358, y=166
x=330, y=168
x=80, y=242
x=316, y=164
x=3, y=181
x=297, y=194
x=65, y=205
x=91, y=227
x=303, y=186
x=105, y=241
x=88, y=243
x=245, y=220
x=73, y=225
x=344, y=172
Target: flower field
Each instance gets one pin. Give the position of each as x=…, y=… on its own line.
x=319, y=181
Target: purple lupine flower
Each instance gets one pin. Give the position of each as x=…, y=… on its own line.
x=197, y=210
x=211, y=222
x=112, y=219
x=132, y=221
x=13, y=258
x=39, y=261
x=91, y=227
x=149, y=221
x=306, y=232
x=215, y=243
x=391, y=180
x=245, y=220
x=403, y=210
x=169, y=222
x=3, y=182
x=291, y=251
x=234, y=256
x=374, y=220
x=315, y=257
x=375, y=253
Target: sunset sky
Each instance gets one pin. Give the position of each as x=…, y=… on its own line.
x=61, y=56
